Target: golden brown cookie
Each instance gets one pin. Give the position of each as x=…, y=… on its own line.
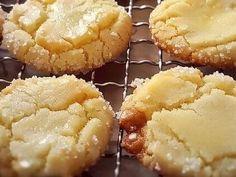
x=2, y=19
x=61, y=37
x=52, y=127
x=200, y=31
x=183, y=124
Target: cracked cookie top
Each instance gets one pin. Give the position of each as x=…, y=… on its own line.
x=61, y=37
x=201, y=31
x=52, y=127
x=183, y=124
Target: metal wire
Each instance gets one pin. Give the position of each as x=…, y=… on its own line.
x=121, y=131
x=9, y=5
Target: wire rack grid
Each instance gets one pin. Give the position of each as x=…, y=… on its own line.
x=160, y=63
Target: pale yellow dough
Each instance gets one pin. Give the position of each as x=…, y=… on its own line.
x=191, y=126
x=201, y=31
x=52, y=127
x=61, y=37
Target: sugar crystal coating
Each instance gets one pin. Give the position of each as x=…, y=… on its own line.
x=61, y=37
x=52, y=127
x=191, y=122
x=196, y=30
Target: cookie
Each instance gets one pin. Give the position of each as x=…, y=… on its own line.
x=182, y=123
x=52, y=127
x=202, y=32
x=60, y=37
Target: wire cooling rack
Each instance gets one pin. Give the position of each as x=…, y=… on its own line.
x=142, y=59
